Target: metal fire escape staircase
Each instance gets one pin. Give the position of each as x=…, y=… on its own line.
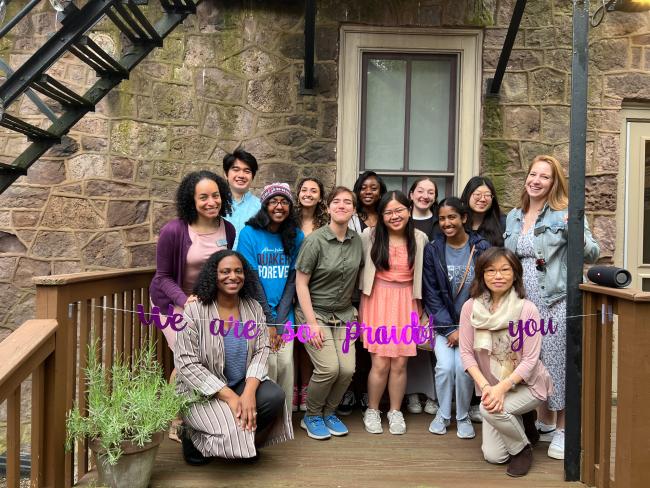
x=73, y=37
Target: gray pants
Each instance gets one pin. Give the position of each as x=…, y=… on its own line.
x=503, y=433
x=281, y=370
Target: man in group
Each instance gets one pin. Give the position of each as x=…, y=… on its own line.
x=240, y=168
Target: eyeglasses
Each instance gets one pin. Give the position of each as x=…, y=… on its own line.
x=478, y=196
x=491, y=273
x=397, y=211
x=278, y=203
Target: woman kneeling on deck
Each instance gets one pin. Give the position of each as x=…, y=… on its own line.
x=507, y=370
x=222, y=357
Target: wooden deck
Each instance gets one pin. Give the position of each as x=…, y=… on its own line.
x=418, y=459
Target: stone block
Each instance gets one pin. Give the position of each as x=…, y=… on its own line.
x=163, y=189
x=529, y=150
x=173, y=102
x=262, y=149
x=292, y=45
x=303, y=120
x=169, y=169
x=96, y=144
x=191, y=148
x=608, y=120
x=600, y=193
x=330, y=115
x=214, y=83
x=87, y=166
x=609, y=54
x=143, y=255
x=199, y=51
x=10, y=295
x=253, y=63
x=326, y=79
x=121, y=213
x=555, y=123
x=140, y=139
x=607, y=153
x=121, y=168
x=162, y=213
x=22, y=311
x=104, y=188
x=604, y=231
x=628, y=85
x=44, y=172
x=73, y=213
x=66, y=267
x=141, y=233
x=327, y=39
x=106, y=250
x=543, y=38
x=24, y=197
x=53, y=244
x=499, y=157
x=547, y=86
x=25, y=218
x=270, y=94
x=282, y=171
x=228, y=122
x=7, y=268
x=317, y=152
x=521, y=122
x=515, y=87
x=28, y=268
x=5, y=218
x=292, y=137
x=67, y=147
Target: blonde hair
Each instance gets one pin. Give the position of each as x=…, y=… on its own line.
x=557, y=197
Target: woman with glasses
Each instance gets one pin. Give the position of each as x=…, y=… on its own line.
x=537, y=232
x=507, y=371
x=270, y=242
x=392, y=287
x=484, y=212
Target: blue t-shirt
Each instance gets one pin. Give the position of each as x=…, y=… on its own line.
x=236, y=352
x=456, y=265
x=243, y=210
x=264, y=252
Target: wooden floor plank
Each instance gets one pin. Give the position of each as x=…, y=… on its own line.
x=417, y=459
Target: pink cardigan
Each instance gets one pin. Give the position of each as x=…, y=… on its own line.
x=529, y=366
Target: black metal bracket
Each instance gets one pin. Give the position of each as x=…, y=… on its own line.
x=308, y=80
x=494, y=84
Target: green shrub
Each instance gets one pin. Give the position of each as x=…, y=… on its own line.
x=130, y=404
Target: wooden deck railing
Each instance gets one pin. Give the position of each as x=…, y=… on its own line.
x=632, y=425
x=84, y=307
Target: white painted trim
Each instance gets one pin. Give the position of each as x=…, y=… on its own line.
x=356, y=39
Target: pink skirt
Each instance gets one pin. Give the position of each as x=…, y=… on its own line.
x=389, y=305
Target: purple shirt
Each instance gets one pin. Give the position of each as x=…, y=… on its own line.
x=171, y=258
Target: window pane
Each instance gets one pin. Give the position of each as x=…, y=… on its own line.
x=385, y=99
x=646, y=207
x=393, y=182
x=429, y=126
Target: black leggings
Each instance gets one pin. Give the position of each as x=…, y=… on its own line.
x=269, y=399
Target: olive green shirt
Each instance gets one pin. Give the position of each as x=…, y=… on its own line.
x=333, y=266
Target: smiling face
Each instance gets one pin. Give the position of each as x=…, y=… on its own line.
x=341, y=208
x=278, y=208
x=309, y=194
x=480, y=200
x=539, y=180
x=370, y=192
x=239, y=177
x=207, y=199
x=499, y=276
x=395, y=216
x=230, y=275
x=451, y=222
x=424, y=195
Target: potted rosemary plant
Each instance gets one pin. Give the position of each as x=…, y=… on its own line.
x=128, y=412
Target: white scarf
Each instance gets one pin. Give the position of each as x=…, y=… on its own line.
x=491, y=331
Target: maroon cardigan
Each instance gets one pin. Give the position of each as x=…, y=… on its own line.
x=171, y=256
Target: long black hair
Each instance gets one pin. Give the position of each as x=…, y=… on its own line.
x=288, y=228
x=357, y=190
x=491, y=228
x=379, y=253
x=185, y=205
x=206, y=284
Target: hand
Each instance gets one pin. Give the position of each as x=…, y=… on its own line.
x=234, y=402
x=317, y=336
x=190, y=299
x=452, y=339
x=248, y=419
x=274, y=339
x=492, y=398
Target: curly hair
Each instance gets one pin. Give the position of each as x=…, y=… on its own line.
x=206, y=286
x=321, y=218
x=185, y=205
x=288, y=228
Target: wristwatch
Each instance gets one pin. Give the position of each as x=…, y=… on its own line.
x=513, y=384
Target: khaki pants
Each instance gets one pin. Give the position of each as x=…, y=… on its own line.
x=503, y=433
x=281, y=370
x=333, y=369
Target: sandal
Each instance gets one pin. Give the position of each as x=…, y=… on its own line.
x=174, y=430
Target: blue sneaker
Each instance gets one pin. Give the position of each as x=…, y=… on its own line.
x=335, y=426
x=315, y=427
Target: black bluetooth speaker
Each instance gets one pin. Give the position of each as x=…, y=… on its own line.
x=610, y=276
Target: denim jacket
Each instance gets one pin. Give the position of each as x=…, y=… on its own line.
x=550, y=241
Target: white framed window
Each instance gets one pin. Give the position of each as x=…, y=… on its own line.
x=409, y=105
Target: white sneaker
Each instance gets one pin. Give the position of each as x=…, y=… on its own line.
x=414, y=405
x=556, y=449
x=372, y=421
x=475, y=414
x=431, y=407
x=396, y=423
x=546, y=431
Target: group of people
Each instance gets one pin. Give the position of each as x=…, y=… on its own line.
x=376, y=257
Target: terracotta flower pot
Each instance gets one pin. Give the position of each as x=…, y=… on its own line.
x=133, y=468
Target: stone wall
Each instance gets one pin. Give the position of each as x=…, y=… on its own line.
x=230, y=77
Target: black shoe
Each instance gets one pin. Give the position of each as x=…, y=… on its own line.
x=191, y=454
x=347, y=404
